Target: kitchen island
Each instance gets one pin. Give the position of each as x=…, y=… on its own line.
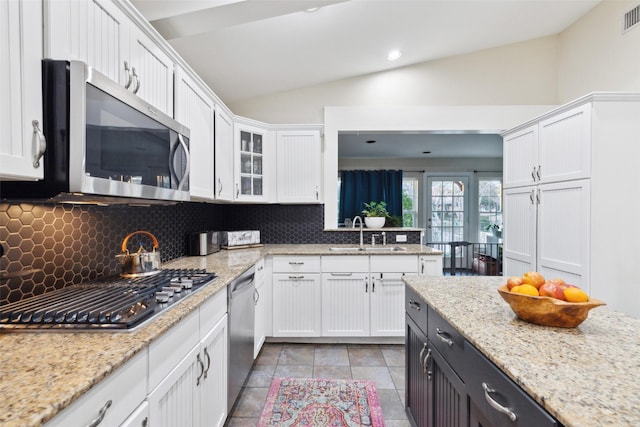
x=42, y=373
x=585, y=376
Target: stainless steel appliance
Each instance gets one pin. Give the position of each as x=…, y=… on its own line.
x=204, y=243
x=104, y=142
x=113, y=303
x=241, y=329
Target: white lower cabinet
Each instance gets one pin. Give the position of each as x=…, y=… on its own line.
x=430, y=265
x=193, y=390
x=111, y=401
x=345, y=296
x=296, y=296
x=364, y=296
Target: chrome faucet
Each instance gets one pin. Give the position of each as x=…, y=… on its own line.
x=357, y=218
x=384, y=238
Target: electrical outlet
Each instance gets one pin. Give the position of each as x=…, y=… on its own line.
x=401, y=238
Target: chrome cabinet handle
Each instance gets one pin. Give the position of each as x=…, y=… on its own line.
x=342, y=274
x=533, y=174
x=444, y=337
x=237, y=190
x=219, y=186
x=296, y=262
x=256, y=296
x=201, y=369
x=495, y=405
x=129, y=78
x=39, y=143
x=422, y=267
x=206, y=371
x=538, y=197
x=133, y=73
x=424, y=347
x=425, y=365
x=317, y=193
x=538, y=172
x=366, y=285
x=101, y=414
x=531, y=196
x=145, y=422
x=296, y=277
x=414, y=304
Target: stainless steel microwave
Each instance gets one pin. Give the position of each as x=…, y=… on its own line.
x=103, y=140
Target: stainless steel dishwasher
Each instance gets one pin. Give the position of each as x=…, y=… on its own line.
x=241, y=326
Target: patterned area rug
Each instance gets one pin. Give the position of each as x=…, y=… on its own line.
x=321, y=402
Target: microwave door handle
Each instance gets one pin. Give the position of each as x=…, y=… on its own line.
x=185, y=176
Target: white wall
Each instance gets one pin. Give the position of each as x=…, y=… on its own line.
x=522, y=73
x=594, y=55
x=433, y=165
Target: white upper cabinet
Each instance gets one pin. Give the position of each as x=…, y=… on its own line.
x=101, y=34
x=224, y=184
x=252, y=167
x=195, y=110
x=553, y=150
x=299, y=163
x=21, y=139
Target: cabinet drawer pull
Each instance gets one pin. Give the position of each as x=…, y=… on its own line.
x=129, y=78
x=342, y=274
x=495, y=405
x=296, y=277
x=444, y=337
x=101, y=414
x=414, y=304
x=424, y=347
x=206, y=371
x=296, y=262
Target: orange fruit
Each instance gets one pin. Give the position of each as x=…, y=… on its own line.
x=533, y=278
x=526, y=289
x=576, y=295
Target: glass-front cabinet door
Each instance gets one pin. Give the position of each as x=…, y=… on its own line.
x=251, y=165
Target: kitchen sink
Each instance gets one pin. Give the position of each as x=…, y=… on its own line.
x=368, y=249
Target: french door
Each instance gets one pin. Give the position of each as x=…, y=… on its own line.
x=447, y=214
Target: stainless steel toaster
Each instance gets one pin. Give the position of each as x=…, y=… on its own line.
x=204, y=243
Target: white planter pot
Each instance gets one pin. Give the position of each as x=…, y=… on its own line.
x=374, y=221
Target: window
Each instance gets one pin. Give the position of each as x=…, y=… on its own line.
x=489, y=208
x=410, y=199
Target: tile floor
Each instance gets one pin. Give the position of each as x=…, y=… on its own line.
x=382, y=363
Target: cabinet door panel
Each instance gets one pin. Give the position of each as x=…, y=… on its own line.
x=223, y=155
x=563, y=231
x=175, y=401
x=296, y=305
x=298, y=173
x=387, y=304
x=430, y=265
x=416, y=392
x=107, y=35
x=195, y=110
x=449, y=394
x=213, y=387
x=345, y=304
x=20, y=90
x=520, y=157
x=520, y=230
x=565, y=146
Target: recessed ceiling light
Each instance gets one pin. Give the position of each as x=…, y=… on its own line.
x=371, y=141
x=394, y=54
x=312, y=9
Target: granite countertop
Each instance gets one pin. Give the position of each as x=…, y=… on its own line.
x=584, y=376
x=41, y=373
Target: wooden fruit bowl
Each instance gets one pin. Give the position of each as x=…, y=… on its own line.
x=548, y=311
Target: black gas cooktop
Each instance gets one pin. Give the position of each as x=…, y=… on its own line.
x=112, y=303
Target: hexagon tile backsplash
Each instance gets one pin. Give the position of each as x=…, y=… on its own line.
x=48, y=247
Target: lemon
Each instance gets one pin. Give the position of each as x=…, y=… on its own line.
x=576, y=295
x=526, y=289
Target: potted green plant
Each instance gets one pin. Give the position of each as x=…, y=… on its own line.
x=375, y=214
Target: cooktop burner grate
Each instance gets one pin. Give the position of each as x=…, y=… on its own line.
x=110, y=303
